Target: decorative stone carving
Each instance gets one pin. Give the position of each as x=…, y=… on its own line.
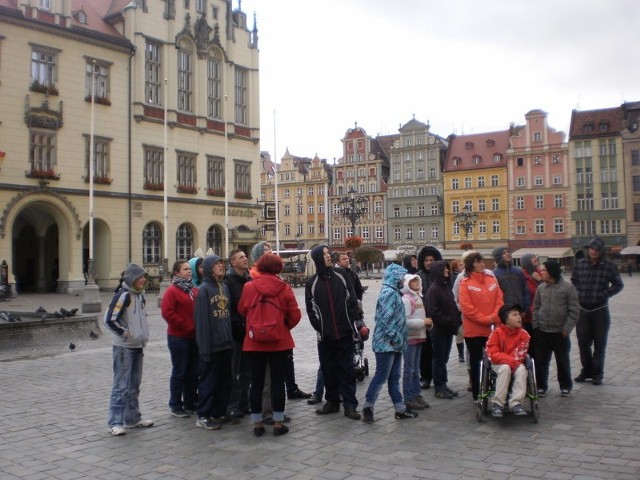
x=43, y=116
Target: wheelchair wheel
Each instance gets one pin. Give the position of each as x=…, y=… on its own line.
x=532, y=390
x=482, y=403
x=366, y=367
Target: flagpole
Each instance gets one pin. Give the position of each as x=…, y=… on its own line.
x=275, y=183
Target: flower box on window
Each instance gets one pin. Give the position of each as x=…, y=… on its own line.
x=244, y=195
x=187, y=189
x=49, y=174
x=100, y=100
x=215, y=192
x=99, y=180
x=154, y=186
x=41, y=88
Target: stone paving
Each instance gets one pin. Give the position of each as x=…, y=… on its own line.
x=54, y=405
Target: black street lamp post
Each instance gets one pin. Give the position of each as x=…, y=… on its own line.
x=466, y=219
x=353, y=208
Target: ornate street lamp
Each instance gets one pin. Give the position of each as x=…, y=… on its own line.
x=466, y=219
x=353, y=208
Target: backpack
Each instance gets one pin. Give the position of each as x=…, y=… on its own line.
x=412, y=301
x=265, y=320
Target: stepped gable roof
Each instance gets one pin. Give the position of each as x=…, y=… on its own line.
x=466, y=148
x=596, y=123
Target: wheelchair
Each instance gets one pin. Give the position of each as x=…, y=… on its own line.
x=488, y=388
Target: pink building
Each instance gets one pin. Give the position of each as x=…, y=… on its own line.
x=539, y=190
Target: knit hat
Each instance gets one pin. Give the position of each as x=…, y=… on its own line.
x=527, y=262
x=132, y=273
x=503, y=313
x=257, y=251
x=497, y=254
x=553, y=269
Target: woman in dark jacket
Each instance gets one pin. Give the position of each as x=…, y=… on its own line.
x=442, y=309
x=268, y=288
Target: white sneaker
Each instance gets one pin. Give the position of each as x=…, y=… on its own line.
x=117, y=430
x=142, y=423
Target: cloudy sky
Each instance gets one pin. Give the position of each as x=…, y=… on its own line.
x=466, y=66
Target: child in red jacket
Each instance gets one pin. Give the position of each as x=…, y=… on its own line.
x=507, y=349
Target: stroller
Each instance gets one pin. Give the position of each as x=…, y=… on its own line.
x=360, y=362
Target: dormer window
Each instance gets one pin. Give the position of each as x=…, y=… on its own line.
x=45, y=4
x=82, y=17
x=456, y=161
x=603, y=126
x=497, y=157
x=490, y=143
x=587, y=128
x=468, y=145
x=477, y=159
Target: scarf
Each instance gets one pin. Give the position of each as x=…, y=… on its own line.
x=183, y=284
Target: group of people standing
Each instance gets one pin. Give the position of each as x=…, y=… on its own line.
x=232, y=351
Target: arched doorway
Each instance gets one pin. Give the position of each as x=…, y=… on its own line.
x=101, y=253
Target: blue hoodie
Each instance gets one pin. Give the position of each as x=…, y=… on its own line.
x=390, y=334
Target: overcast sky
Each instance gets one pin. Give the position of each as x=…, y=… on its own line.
x=466, y=66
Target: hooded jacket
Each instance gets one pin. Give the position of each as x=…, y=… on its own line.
x=390, y=334
x=596, y=282
x=441, y=306
x=195, y=277
x=270, y=285
x=480, y=301
x=406, y=263
x=330, y=300
x=512, y=281
x=529, y=270
x=235, y=284
x=425, y=275
x=508, y=346
x=126, y=317
x=213, y=324
x=414, y=310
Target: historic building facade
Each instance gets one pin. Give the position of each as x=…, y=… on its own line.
x=539, y=189
x=631, y=156
x=161, y=95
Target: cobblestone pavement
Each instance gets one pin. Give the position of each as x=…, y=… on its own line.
x=54, y=406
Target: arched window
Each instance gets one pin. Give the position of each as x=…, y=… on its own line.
x=151, y=242
x=214, y=240
x=184, y=242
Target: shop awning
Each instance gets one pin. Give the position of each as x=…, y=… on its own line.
x=448, y=254
x=549, y=252
x=633, y=250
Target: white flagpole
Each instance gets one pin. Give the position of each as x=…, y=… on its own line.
x=91, y=272
x=226, y=180
x=275, y=183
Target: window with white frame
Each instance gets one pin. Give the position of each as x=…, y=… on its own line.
x=482, y=226
x=310, y=209
x=539, y=223
x=407, y=174
x=287, y=193
x=455, y=206
x=537, y=136
x=372, y=188
x=616, y=226
x=396, y=212
x=379, y=233
x=497, y=158
x=421, y=191
x=468, y=205
x=99, y=72
x=521, y=227
x=151, y=242
x=519, y=203
x=152, y=73
x=336, y=209
x=320, y=190
x=454, y=183
x=520, y=182
x=186, y=171
x=362, y=188
x=100, y=158
x=364, y=231
x=467, y=182
x=299, y=209
x=558, y=225
x=42, y=148
x=321, y=208
x=408, y=192
x=184, y=241
x=539, y=201
x=310, y=191
x=456, y=229
x=153, y=166
x=337, y=233
x=287, y=210
x=481, y=181
x=45, y=4
x=396, y=175
x=558, y=201
x=287, y=229
x=495, y=204
x=200, y=6
x=43, y=67
x=494, y=180
x=557, y=179
x=434, y=232
x=185, y=73
x=214, y=107
x=311, y=229
x=555, y=158
x=409, y=210
x=496, y=226
x=241, y=98
x=432, y=172
x=537, y=181
x=537, y=160
x=377, y=206
x=435, y=210
x=300, y=230
x=421, y=210
x=482, y=205
x=420, y=172
x=409, y=233
x=421, y=233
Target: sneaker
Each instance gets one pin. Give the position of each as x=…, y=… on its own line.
x=208, y=423
x=565, y=393
x=190, y=410
x=227, y=419
x=179, y=412
x=142, y=423
x=351, y=413
x=518, y=411
x=452, y=392
x=596, y=381
x=236, y=413
x=496, y=411
x=328, y=408
x=443, y=393
x=298, y=394
x=542, y=392
x=367, y=415
x=414, y=404
x=406, y=414
x=425, y=384
x=313, y=399
x=421, y=400
x=117, y=430
x=582, y=378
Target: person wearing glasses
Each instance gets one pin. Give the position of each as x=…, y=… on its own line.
x=480, y=299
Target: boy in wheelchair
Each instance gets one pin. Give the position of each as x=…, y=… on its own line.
x=507, y=349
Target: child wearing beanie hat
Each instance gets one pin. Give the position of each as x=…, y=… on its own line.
x=553, y=269
x=126, y=318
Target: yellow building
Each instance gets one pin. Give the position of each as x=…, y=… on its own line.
x=174, y=81
x=475, y=184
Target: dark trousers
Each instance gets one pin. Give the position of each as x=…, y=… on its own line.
x=290, y=378
x=336, y=362
x=426, y=360
x=532, y=341
x=593, y=329
x=475, y=346
x=441, y=350
x=240, y=379
x=277, y=362
x=546, y=345
x=214, y=383
x=183, y=384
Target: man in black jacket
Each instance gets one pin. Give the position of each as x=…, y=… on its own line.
x=332, y=307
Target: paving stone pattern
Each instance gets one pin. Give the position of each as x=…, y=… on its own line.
x=54, y=406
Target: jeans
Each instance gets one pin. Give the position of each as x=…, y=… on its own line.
x=593, y=329
x=127, y=375
x=240, y=379
x=215, y=383
x=388, y=366
x=546, y=345
x=441, y=351
x=277, y=362
x=475, y=347
x=338, y=371
x=183, y=384
x=426, y=356
x=411, y=372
